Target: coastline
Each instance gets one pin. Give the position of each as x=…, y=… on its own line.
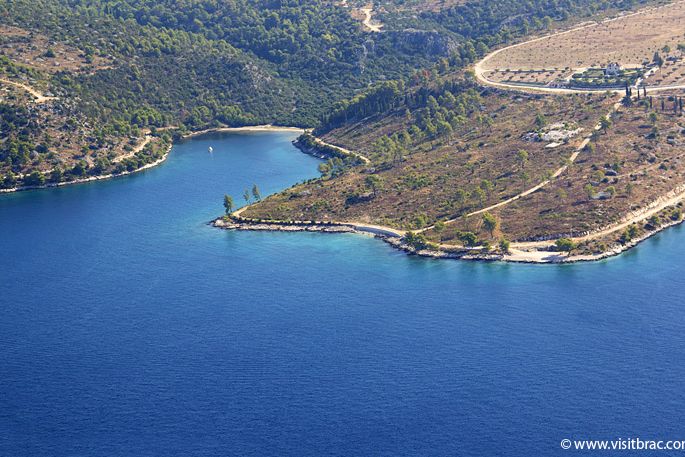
x=395, y=239
x=323, y=150
x=146, y=140
x=91, y=178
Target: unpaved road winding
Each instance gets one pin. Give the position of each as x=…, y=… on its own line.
x=38, y=97
x=368, y=16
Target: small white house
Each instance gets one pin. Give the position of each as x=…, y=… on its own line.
x=613, y=69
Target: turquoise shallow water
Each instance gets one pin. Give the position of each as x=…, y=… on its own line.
x=130, y=327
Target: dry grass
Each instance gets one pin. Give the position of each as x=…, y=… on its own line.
x=29, y=49
x=629, y=40
x=646, y=169
x=670, y=74
x=540, y=77
x=424, y=187
x=627, y=169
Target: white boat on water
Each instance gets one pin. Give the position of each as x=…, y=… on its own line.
x=210, y=150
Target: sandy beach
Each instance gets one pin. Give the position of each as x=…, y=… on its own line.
x=248, y=128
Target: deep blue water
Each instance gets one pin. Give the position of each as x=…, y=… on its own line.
x=131, y=328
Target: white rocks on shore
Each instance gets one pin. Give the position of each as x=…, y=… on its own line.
x=232, y=225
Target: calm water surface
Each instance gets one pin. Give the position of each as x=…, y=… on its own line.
x=131, y=328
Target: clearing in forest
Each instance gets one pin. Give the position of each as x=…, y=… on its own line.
x=630, y=41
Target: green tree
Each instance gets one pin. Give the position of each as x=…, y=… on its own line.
x=605, y=123
x=325, y=169
x=479, y=194
x=255, y=192
x=629, y=188
x=629, y=234
x=9, y=180
x=487, y=186
x=417, y=240
x=247, y=196
x=36, y=178
x=460, y=196
x=657, y=59
x=468, y=238
x=228, y=204
x=79, y=168
x=56, y=175
x=522, y=157
x=490, y=223
x=504, y=246
x=565, y=245
x=374, y=183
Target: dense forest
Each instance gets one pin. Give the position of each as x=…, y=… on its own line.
x=203, y=62
x=476, y=28
x=196, y=64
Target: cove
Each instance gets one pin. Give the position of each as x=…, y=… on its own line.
x=131, y=327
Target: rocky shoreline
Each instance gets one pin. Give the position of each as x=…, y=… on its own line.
x=280, y=227
x=397, y=242
x=393, y=240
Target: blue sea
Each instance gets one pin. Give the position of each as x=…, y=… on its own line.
x=129, y=327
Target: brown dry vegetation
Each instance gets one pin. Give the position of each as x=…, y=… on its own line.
x=31, y=50
x=671, y=73
x=626, y=158
x=541, y=76
x=427, y=186
x=629, y=40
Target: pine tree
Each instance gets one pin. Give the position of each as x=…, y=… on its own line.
x=228, y=204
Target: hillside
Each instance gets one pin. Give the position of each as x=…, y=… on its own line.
x=234, y=62
x=464, y=167
x=455, y=150
x=87, y=80
x=114, y=70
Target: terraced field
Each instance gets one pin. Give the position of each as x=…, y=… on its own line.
x=632, y=40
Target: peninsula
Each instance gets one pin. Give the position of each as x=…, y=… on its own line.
x=546, y=163
x=487, y=130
